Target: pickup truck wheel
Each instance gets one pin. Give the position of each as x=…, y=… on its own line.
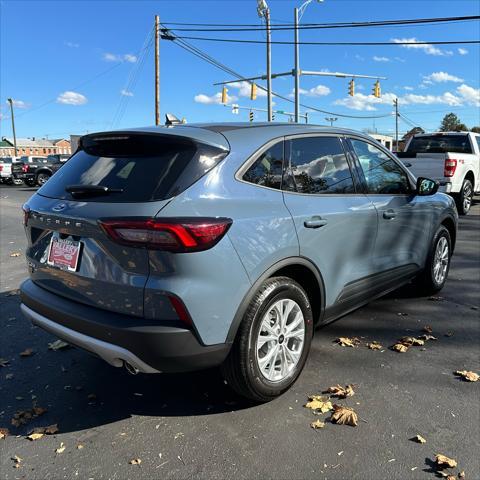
x=464, y=199
x=42, y=178
x=272, y=342
x=30, y=182
x=435, y=273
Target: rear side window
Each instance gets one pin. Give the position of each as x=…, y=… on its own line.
x=267, y=169
x=318, y=165
x=440, y=144
x=139, y=168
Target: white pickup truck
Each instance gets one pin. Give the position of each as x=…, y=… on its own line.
x=452, y=158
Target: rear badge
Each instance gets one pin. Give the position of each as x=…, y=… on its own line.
x=59, y=207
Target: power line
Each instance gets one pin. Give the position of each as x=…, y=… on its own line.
x=313, y=26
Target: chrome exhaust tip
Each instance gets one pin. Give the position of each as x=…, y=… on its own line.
x=130, y=368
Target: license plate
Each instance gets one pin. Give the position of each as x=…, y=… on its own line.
x=64, y=253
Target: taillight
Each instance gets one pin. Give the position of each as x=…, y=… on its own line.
x=450, y=167
x=1, y=168
x=180, y=309
x=25, y=168
x=172, y=234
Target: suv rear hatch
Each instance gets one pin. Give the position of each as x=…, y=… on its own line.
x=119, y=176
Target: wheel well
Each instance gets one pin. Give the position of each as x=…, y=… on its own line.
x=450, y=226
x=308, y=281
x=38, y=172
x=471, y=177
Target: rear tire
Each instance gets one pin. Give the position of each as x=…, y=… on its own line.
x=465, y=197
x=437, y=266
x=30, y=182
x=42, y=178
x=273, y=341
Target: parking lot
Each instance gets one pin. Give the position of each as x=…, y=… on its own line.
x=114, y=425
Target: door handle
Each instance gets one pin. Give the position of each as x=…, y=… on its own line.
x=315, y=222
x=389, y=214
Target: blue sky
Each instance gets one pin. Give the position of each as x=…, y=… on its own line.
x=73, y=67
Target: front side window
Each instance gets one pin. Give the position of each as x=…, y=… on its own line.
x=267, y=169
x=478, y=142
x=318, y=165
x=382, y=174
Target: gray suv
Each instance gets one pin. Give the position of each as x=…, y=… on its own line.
x=170, y=249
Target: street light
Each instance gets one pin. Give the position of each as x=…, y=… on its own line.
x=264, y=12
x=298, y=14
x=331, y=120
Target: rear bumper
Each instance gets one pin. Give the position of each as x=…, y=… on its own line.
x=150, y=346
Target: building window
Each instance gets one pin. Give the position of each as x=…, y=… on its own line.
x=44, y=150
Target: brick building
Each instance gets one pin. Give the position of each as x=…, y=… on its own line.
x=33, y=146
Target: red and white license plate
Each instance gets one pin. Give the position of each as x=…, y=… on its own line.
x=64, y=253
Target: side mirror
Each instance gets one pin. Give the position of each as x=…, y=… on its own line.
x=426, y=186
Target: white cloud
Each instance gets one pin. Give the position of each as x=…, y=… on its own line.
x=463, y=51
x=72, y=44
x=359, y=57
x=426, y=47
x=440, y=77
x=245, y=88
x=126, y=93
x=365, y=102
x=113, y=57
x=446, y=98
x=213, y=99
x=469, y=94
x=20, y=104
x=381, y=59
x=409, y=89
x=71, y=98
x=318, y=91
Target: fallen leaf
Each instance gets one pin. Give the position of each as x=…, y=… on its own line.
x=4, y=363
x=39, y=410
x=419, y=439
x=449, y=334
x=17, y=461
x=467, y=375
x=411, y=341
x=58, y=345
x=445, y=462
x=344, y=416
x=400, y=347
x=461, y=474
x=374, y=345
x=35, y=436
x=135, y=461
x=22, y=417
x=79, y=446
x=27, y=353
x=51, y=429
x=61, y=448
x=4, y=432
x=347, y=342
x=15, y=254
x=341, y=392
x=319, y=404
x=427, y=337
x=317, y=424
x=428, y=329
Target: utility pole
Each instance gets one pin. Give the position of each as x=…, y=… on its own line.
x=395, y=103
x=297, y=67
x=157, y=70
x=10, y=101
x=264, y=11
x=331, y=120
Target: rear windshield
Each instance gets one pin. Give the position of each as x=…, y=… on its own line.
x=140, y=168
x=5, y=160
x=440, y=144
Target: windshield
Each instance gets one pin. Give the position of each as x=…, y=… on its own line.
x=440, y=144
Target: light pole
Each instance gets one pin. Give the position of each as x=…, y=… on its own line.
x=331, y=120
x=10, y=101
x=298, y=14
x=264, y=11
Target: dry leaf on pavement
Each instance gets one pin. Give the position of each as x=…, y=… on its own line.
x=4, y=433
x=428, y=329
x=419, y=439
x=58, y=345
x=347, y=342
x=341, y=392
x=374, y=345
x=445, y=462
x=427, y=337
x=468, y=375
x=317, y=424
x=411, y=341
x=61, y=448
x=17, y=461
x=27, y=353
x=319, y=404
x=39, y=410
x=51, y=429
x=135, y=461
x=4, y=363
x=79, y=446
x=344, y=416
x=461, y=474
x=400, y=347
x=35, y=436
x=15, y=254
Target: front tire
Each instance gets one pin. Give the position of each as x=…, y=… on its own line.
x=435, y=274
x=465, y=197
x=273, y=341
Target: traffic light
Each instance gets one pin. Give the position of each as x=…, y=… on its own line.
x=224, y=95
x=351, y=87
x=376, y=89
x=273, y=116
x=250, y=115
x=253, y=92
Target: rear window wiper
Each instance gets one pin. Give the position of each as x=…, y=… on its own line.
x=91, y=190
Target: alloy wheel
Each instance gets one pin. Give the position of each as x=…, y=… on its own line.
x=467, y=197
x=441, y=260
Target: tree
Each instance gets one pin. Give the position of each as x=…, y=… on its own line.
x=451, y=123
x=476, y=129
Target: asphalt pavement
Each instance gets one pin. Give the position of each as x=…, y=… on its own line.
x=192, y=426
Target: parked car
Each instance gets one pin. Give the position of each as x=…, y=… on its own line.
x=181, y=248
x=452, y=158
x=6, y=170
x=37, y=170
